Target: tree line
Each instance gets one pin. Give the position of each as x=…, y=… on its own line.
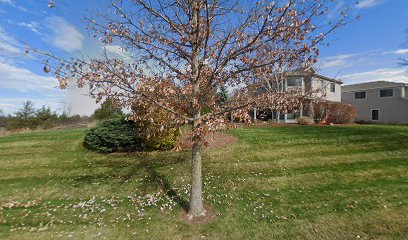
x=30, y=117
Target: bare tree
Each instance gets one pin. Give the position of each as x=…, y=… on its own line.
x=182, y=51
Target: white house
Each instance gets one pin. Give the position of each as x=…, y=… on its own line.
x=309, y=80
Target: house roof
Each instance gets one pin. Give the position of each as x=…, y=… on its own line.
x=302, y=72
x=310, y=71
x=371, y=85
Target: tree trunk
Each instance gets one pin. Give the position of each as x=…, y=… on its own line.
x=196, y=197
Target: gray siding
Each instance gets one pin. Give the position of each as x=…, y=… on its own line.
x=318, y=83
x=391, y=109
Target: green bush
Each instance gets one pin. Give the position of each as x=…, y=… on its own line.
x=115, y=135
x=305, y=121
x=159, y=135
x=119, y=135
x=164, y=141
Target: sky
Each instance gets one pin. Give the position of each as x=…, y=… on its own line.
x=365, y=50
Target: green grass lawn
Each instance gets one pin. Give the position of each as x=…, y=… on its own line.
x=335, y=182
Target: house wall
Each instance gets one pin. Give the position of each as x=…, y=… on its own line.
x=308, y=83
x=392, y=109
x=324, y=86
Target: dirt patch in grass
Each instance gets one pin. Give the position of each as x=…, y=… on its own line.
x=216, y=139
x=207, y=218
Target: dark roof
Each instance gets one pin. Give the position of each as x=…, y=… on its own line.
x=371, y=85
x=310, y=71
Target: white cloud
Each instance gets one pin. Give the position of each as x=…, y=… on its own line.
x=6, y=2
x=383, y=74
x=6, y=48
x=117, y=50
x=368, y=3
x=28, y=85
x=8, y=45
x=79, y=101
x=337, y=61
x=363, y=59
x=398, y=52
x=23, y=80
x=64, y=35
x=33, y=26
x=13, y=4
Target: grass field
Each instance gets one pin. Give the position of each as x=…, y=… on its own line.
x=335, y=182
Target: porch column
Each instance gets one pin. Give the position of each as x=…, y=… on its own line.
x=311, y=110
x=254, y=114
x=232, y=117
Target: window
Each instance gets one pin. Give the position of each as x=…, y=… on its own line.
x=375, y=115
x=290, y=116
x=332, y=87
x=294, y=82
x=322, y=85
x=360, y=95
x=387, y=92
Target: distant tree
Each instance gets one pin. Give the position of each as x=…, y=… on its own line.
x=45, y=118
x=108, y=110
x=24, y=117
x=2, y=119
x=222, y=96
x=27, y=111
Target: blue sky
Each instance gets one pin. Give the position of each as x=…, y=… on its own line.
x=364, y=50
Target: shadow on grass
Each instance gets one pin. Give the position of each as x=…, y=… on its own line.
x=167, y=188
x=145, y=163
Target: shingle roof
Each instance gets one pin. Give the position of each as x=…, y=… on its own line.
x=371, y=85
x=310, y=71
